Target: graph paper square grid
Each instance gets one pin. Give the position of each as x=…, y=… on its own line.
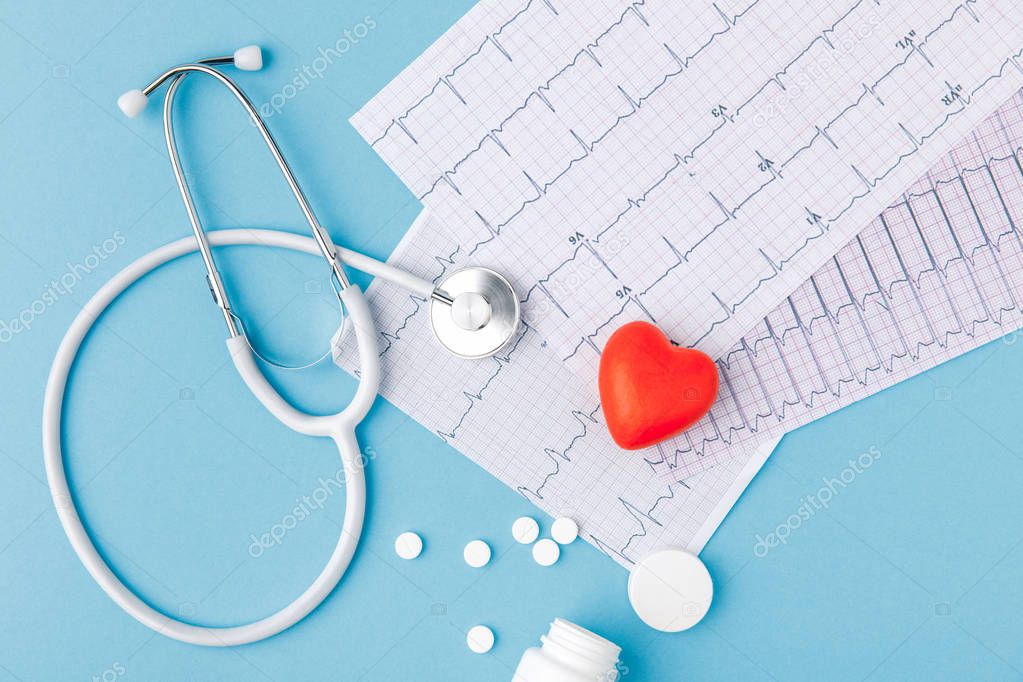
x=939, y=272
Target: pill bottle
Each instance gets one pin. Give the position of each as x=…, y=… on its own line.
x=569, y=653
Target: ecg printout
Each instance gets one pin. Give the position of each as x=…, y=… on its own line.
x=690, y=163
x=937, y=274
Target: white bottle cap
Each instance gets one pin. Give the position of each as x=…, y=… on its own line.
x=670, y=590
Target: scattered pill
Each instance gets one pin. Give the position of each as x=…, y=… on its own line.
x=477, y=554
x=670, y=590
x=525, y=530
x=564, y=531
x=408, y=545
x=546, y=552
x=480, y=639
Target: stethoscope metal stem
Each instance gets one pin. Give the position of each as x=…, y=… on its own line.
x=320, y=235
x=442, y=296
x=213, y=278
x=474, y=311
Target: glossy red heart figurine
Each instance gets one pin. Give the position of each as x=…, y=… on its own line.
x=651, y=390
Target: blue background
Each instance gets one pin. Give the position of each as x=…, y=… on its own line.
x=913, y=572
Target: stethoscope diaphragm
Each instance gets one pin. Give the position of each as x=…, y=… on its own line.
x=476, y=312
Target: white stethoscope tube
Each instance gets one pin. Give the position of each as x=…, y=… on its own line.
x=476, y=319
x=402, y=278
x=340, y=427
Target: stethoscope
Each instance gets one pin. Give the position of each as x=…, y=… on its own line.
x=474, y=313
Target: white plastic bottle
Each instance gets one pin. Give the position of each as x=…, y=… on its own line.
x=569, y=653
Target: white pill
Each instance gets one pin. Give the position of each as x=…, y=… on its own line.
x=477, y=554
x=564, y=531
x=408, y=545
x=546, y=552
x=670, y=590
x=525, y=530
x=480, y=639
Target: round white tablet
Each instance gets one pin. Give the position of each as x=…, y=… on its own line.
x=480, y=639
x=408, y=545
x=546, y=552
x=525, y=530
x=477, y=554
x=564, y=531
x=670, y=590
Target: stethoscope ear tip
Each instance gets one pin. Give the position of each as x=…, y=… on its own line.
x=248, y=58
x=132, y=103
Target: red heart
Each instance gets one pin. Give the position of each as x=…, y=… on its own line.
x=651, y=390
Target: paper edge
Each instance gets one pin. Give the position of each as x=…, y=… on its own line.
x=732, y=495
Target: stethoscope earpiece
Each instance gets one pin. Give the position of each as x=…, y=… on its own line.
x=132, y=103
x=248, y=58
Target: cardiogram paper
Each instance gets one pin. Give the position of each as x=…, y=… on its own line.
x=937, y=274
x=874, y=315
x=690, y=163
x=532, y=423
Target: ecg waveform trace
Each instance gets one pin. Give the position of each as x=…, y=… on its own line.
x=938, y=273
x=534, y=425
x=727, y=264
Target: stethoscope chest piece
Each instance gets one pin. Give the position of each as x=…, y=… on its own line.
x=477, y=315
